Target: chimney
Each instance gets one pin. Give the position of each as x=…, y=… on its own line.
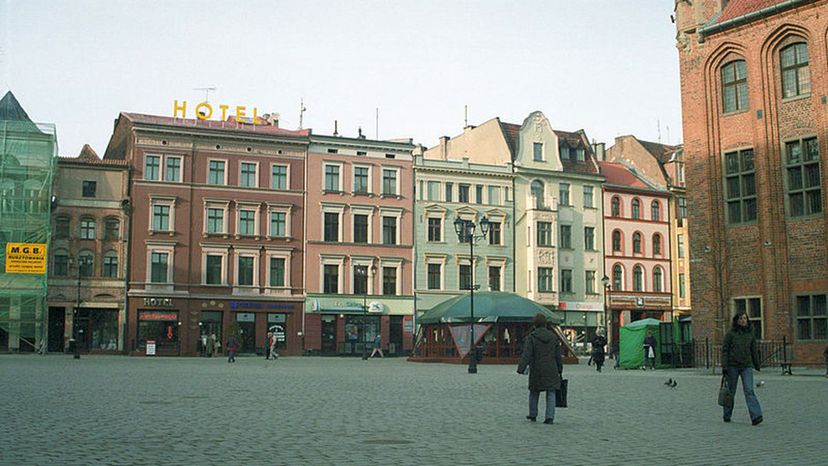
x=444, y=147
x=600, y=150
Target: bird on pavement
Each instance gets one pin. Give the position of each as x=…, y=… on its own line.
x=673, y=385
x=760, y=384
x=669, y=382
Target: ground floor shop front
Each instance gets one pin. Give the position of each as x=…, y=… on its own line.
x=173, y=326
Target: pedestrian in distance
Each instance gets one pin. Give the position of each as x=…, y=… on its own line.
x=616, y=353
x=598, y=353
x=272, y=347
x=211, y=344
x=740, y=356
x=542, y=355
x=267, y=350
x=377, y=346
x=232, y=347
x=649, y=351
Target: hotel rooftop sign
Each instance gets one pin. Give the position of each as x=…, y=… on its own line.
x=205, y=111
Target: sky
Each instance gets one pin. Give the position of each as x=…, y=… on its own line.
x=609, y=67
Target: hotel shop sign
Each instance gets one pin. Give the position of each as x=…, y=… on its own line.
x=633, y=302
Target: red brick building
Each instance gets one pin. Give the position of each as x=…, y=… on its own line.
x=217, y=229
x=754, y=79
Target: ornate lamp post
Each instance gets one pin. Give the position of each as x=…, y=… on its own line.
x=365, y=307
x=465, y=233
x=606, y=282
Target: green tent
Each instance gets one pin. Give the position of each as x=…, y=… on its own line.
x=631, y=342
x=489, y=306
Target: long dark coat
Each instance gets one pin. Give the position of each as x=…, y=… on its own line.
x=542, y=353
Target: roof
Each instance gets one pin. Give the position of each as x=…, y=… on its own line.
x=619, y=175
x=489, y=306
x=511, y=132
x=88, y=156
x=662, y=152
x=737, y=8
x=10, y=109
x=229, y=124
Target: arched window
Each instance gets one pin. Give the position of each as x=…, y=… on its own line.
x=657, y=277
x=734, y=86
x=113, y=229
x=86, y=263
x=655, y=211
x=616, y=206
x=87, y=228
x=616, y=241
x=636, y=208
x=636, y=243
x=538, y=193
x=796, y=77
x=656, y=244
x=110, y=264
x=617, y=278
x=638, y=278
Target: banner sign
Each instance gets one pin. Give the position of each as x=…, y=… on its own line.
x=27, y=258
x=157, y=315
x=462, y=336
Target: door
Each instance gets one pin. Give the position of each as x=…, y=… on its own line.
x=82, y=330
x=328, y=334
x=395, y=338
x=57, y=327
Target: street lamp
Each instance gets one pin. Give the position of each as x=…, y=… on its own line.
x=75, y=313
x=606, y=282
x=465, y=232
x=364, y=272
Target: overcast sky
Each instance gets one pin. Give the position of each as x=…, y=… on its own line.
x=607, y=66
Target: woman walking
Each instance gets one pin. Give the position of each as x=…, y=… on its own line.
x=598, y=354
x=739, y=357
x=542, y=353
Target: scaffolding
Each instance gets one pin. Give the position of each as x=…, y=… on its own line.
x=28, y=157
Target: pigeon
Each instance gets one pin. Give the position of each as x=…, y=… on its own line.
x=669, y=382
x=760, y=384
x=673, y=385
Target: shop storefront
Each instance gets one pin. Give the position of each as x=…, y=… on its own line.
x=160, y=327
x=579, y=322
x=626, y=307
x=97, y=329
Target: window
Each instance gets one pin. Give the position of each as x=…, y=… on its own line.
x=247, y=178
x=247, y=222
x=740, y=186
x=655, y=211
x=617, y=278
x=389, y=182
x=160, y=218
x=433, y=193
x=616, y=207
x=214, y=265
x=804, y=183
x=637, y=243
x=494, y=278
x=278, y=224
x=538, y=193
x=331, y=227
x=331, y=279
x=657, y=244
x=544, y=279
x=537, y=151
x=616, y=241
x=389, y=230
x=449, y=187
x=332, y=178
x=277, y=271
x=152, y=167
x=62, y=227
x=638, y=278
x=360, y=279
x=680, y=245
x=579, y=154
x=636, y=208
x=494, y=195
x=158, y=267
x=215, y=220
x=589, y=282
x=565, y=152
x=215, y=173
x=435, y=272
x=566, y=237
x=566, y=280
x=811, y=317
x=682, y=208
x=61, y=265
x=657, y=278
x=563, y=191
x=589, y=238
x=110, y=265
x=246, y=270
x=435, y=227
x=734, y=86
x=87, y=228
x=796, y=78
x=544, y=234
x=278, y=177
x=588, y=200
x=86, y=264
x=112, y=229
x=682, y=290
x=465, y=277
x=495, y=233
x=478, y=194
x=173, y=169
x=361, y=180
x=463, y=193
x=753, y=308
x=389, y=280
x=360, y=228
x=89, y=188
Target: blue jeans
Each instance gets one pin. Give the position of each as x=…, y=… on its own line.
x=746, y=373
x=550, y=403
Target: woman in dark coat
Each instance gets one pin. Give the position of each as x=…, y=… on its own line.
x=598, y=354
x=740, y=357
x=542, y=353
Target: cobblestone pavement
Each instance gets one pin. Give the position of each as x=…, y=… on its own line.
x=119, y=410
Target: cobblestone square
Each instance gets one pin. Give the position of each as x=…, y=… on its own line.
x=307, y=410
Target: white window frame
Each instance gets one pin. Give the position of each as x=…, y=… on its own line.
x=398, y=182
x=340, y=177
x=255, y=175
x=180, y=168
x=391, y=262
x=397, y=214
x=441, y=261
x=161, y=247
x=338, y=261
x=286, y=209
x=278, y=254
x=224, y=252
x=160, y=167
x=500, y=263
x=207, y=178
x=256, y=208
x=442, y=218
x=370, y=183
x=163, y=201
x=287, y=176
x=359, y=210
x=239, y=252
x=357, y=261
x=332, y=209
x=216, y=204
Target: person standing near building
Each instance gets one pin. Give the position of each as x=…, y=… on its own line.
x=232, y=347
x=740, y=356
x=272, y=346
x=649, y=351
x=598, y=353
x=211, y=344
x=268, y=341
x=542, y=354
x=377, y=346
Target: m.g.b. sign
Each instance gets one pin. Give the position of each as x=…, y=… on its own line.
x=26, y=258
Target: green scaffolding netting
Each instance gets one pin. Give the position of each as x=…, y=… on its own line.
x=28, y=157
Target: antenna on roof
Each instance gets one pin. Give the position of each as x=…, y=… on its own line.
x=336, y=128
x=465, y=116
x=302, y=110
x=668, y=134
x=658, y=126
x=206, y=91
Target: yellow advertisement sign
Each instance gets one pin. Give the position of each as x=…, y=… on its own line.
x=26, y=258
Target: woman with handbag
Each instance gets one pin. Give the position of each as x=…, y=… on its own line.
x=740, y=357
x=542, y=354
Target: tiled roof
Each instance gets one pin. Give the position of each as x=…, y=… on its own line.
x=88, y=156
x=511, y=132
x=212, y=124
x=619, y=175
x=736, y=8
x=662, y=152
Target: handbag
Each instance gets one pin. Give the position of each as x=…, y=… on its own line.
x=560, y=394
x=725, y=397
